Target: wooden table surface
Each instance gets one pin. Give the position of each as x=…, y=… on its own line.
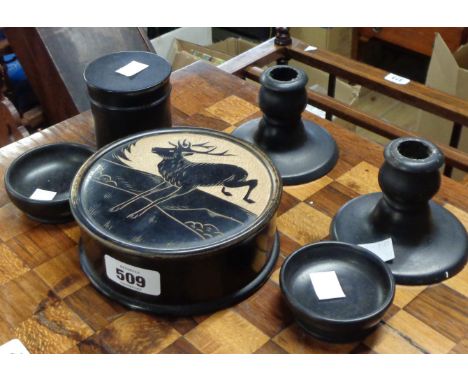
x=47, y=302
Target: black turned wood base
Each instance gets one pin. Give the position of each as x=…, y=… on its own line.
x=61, y=220
x=337, y=338
x=424, y=253
x=314, y=158
x=185, y=309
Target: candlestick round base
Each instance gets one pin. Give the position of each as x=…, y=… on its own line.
x=428, y=248
x=316, y=155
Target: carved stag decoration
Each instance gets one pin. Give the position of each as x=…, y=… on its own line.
x=186, y=176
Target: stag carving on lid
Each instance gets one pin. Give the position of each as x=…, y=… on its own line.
x=186, y=176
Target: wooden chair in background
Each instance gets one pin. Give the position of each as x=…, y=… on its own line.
x=11, y=122
x=54, y=60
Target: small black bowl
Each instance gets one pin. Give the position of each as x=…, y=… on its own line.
x=50, y=167
x=365, y=279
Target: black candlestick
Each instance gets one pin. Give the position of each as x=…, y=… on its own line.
x=301, y=150
x=430, y=244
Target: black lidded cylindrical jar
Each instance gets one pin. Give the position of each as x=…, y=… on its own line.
x=127, y=104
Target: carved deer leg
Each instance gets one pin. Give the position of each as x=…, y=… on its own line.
x=252, y=184
x=122, y=205
x=241, y=183
x=227, y=193
x=142, y=211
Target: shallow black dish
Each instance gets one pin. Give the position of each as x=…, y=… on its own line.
x=49, y=167
x=365, y=279
x=177, y=221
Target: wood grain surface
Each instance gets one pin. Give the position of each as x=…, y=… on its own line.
x=48, y=303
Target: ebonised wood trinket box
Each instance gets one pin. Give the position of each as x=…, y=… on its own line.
x=177, y=221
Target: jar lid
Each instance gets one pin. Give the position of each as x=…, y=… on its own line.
x=176, y=191
x=127, y=79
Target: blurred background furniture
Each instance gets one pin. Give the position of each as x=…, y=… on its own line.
x=351, y=93
x=54, y=60
x=419, y=40
x=19, y=110
x=248, y=65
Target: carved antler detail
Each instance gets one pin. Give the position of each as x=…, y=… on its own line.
x=188, y=147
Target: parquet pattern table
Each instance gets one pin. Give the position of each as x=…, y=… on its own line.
x=47, y=302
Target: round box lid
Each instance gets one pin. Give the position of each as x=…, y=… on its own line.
x=127, y=78
x=176, y=191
